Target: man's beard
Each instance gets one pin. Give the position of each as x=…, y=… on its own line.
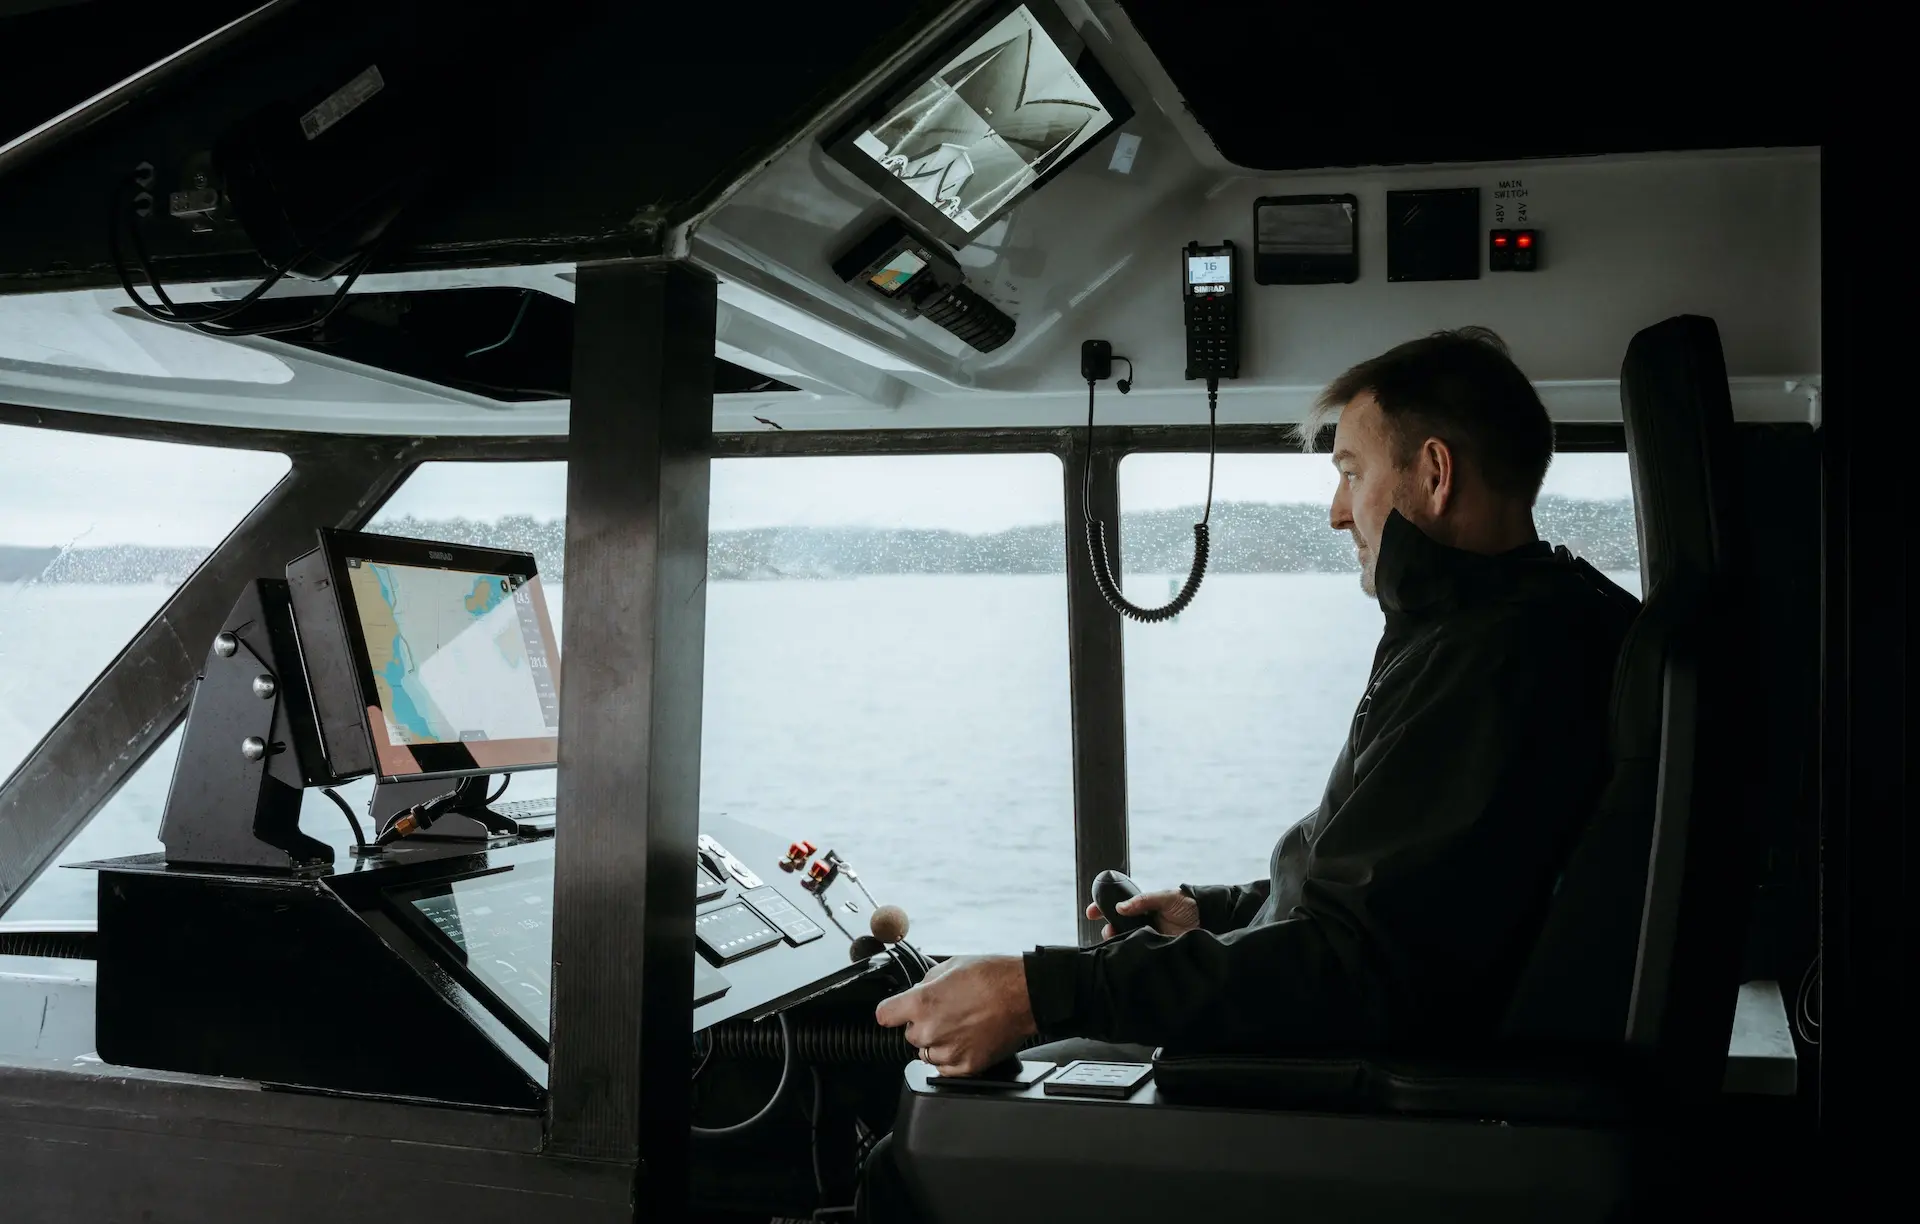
x=1403, y=495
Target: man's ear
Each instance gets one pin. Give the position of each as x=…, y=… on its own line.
x=1436, y=476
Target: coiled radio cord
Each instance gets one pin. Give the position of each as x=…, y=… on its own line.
x=1103, y=578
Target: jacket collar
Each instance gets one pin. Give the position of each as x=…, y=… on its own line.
x=1416, y=575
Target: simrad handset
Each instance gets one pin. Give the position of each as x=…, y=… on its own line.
x=1208, y=278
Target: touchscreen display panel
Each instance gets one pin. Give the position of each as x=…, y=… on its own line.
x=896, y=272
x=461, y=663
x=502, y=926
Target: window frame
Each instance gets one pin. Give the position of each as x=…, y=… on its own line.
x=69, y=776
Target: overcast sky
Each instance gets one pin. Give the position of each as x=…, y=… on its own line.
x=60, y=488
x=57, y=488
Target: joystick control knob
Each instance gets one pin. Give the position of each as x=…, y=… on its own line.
x=1110, y=888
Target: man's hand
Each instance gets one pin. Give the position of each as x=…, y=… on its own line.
x=1174, y=912
x=970, y=1013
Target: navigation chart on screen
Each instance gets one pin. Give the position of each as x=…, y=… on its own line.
x=456, y=657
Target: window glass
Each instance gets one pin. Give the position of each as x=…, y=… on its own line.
x=886, y=668
x=1236, y=709
x=887, y=676
x=95, y=534
x=128, y=824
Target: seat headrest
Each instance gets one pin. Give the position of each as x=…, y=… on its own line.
x=1679, y=426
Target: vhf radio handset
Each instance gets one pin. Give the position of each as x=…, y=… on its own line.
x=1213, y=353
x=1212, y=312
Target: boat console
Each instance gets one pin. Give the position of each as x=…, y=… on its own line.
x=423, y=966
x=423, y=973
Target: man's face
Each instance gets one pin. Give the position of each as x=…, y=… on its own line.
x=1371, y=484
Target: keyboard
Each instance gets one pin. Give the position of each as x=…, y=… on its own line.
x=526, y=809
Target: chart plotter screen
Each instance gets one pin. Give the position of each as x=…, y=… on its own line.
x=461, y=666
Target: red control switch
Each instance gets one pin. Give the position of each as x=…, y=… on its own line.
x=797, y=855
x=821, y=874
x=1526, y=250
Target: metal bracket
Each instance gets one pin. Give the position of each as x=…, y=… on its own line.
x=238, y=784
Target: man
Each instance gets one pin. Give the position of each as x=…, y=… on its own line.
x=1403, y=907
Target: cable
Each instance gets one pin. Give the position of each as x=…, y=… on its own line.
x=212, y=320
x=909, y=979
x=1804, y=1021
x=168, y=311
x=1103, y=579
x=359, y=838
x=334, y=303
x=813, y=1126
x=706, y=1057
x=779, y=1089
x=506, y=780
x=526, y=299
x=1213, y=421
x=417, y=818
x=918, y=957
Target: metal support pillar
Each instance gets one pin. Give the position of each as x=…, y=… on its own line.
x=638, y=468
x=1094, y=633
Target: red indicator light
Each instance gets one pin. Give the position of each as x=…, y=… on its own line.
x=1525, y=240
x=1499, y=240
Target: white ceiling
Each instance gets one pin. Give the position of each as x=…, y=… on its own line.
x=1627, y=243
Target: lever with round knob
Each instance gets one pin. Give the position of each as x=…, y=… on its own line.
x=1110, y=888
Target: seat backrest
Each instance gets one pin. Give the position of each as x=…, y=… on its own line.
x=1640, y=941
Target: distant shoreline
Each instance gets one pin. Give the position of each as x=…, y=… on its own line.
x=1248, y=538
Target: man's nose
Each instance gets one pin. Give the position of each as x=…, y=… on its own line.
x=1338, y=516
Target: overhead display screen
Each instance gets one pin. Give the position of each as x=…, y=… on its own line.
x=460, y=663
x=1004, y=111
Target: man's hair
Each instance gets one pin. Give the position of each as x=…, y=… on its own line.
x=1461, y=387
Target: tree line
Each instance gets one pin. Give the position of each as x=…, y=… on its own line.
x=1248, y=538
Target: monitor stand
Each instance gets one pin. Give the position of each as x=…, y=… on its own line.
x=469, y=820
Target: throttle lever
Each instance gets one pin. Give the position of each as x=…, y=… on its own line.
x=1110, y=888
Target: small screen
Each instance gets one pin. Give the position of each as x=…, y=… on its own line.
x=456, y=657
x=732, y=931
x=503, y=925
x=995, y=118
x=1304, y=229
x=1210, y=270
x=895, y=274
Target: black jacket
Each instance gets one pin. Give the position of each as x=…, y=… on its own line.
x=1401, y=909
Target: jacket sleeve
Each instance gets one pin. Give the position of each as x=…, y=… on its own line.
x=1416, y=884
x=1228, y=907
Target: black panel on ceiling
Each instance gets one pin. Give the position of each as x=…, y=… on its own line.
x=1299, y=86
x=505, y=343
x=573, y=129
